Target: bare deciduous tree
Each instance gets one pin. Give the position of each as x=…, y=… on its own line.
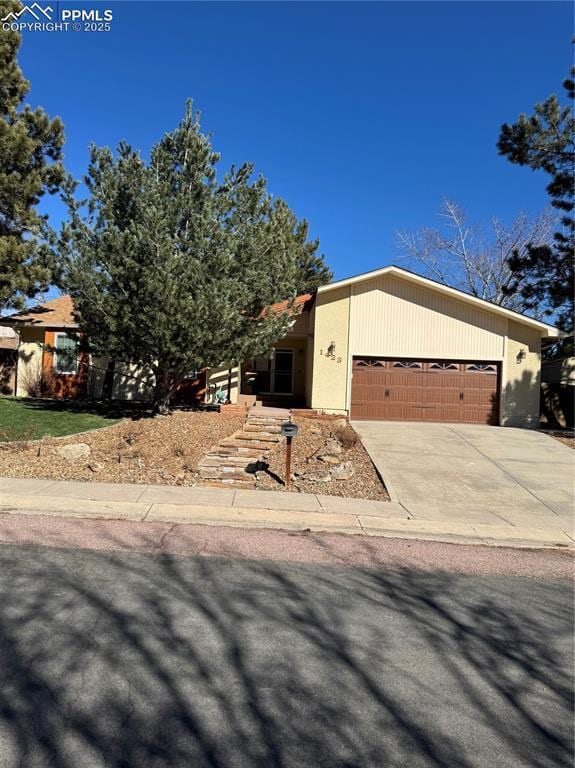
x=468, y=257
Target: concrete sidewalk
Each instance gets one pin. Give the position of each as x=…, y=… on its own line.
x=266, y=509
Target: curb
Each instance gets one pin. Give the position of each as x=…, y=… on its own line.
x=295, y=520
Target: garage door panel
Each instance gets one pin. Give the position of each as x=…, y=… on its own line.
x=435, y=396
x=480, y=383
x=373, y=379
x=479, y=416
x=409, y=390
x=443, y=414
x=407, y=395
x=475, y=397
x=442, y=380
x=403, y=379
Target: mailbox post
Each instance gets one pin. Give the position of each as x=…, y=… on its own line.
x=289, y=431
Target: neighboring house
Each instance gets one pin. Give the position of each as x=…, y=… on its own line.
x=51, y=361
x=390, y=344
x=48, y=359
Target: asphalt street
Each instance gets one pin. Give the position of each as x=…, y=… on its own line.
x=133, y=660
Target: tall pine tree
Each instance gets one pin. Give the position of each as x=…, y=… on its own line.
x=312, y=271
x=546, y=140
x=171, y=268
x=30, y=165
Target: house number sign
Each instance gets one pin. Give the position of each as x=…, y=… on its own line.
x=330, y=353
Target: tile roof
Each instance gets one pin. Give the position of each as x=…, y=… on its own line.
x=302, y=303
x=57, y=313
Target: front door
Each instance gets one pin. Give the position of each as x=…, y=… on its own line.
x=282, y=378
x=274, y=376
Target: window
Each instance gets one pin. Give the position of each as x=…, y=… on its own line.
x=406, y=364
x=274, y=375
x=65, y=354
x=481, y=368
x=369, y=362
x=443, y=367
x=283, y=371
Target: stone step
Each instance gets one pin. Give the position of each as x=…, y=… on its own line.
x=227, y=461
x=234, y=460
x=251, y=444
x=223, y=473
x=235, y=451
x=261, y=437
x=233, y=408
x=249, y=484
x=270, y=430
x=233, y=455
x=266, y=422
x=270, y=413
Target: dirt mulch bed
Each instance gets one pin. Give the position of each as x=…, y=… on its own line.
x=313, y=433
x=160, y=451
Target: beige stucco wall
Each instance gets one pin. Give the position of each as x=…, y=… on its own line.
x=330, y=375
x=301, y=325
x=131, y=382
x=392, y=316
x=385, y=318
x=30, y=354
x=521, y=379
x=96, y=378
x=217, y=378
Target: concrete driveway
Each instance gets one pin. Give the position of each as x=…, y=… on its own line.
x=477, y=474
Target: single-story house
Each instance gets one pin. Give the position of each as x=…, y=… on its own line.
x=388, y=344
x=51, y=361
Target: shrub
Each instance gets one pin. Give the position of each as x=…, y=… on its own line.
x=346, y=436
x=37, y=382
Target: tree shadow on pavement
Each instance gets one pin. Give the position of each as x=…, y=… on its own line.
x=136, y=661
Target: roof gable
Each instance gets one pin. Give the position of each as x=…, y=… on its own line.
x=546, y=330
x=57, y=313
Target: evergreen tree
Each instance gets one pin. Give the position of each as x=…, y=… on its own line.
x=170, y=268
x=30, y=165
x=312, y=271
x=545, y=140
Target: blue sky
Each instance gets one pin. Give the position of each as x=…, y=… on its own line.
x=363, y=116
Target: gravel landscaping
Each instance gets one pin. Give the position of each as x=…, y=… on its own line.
x=160, y=451
x=166, y=451
x=313, y=437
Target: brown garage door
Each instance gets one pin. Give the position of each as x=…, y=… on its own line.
x=425, y=390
